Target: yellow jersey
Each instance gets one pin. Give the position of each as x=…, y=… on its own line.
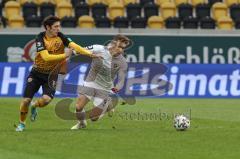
x=54, y=46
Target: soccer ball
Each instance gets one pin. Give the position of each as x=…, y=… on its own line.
x=181, y=122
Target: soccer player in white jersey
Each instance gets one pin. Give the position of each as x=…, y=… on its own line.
x=99, y=81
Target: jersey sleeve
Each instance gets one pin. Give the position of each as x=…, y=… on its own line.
x=40, y=43
x=48, y=57
x=122, y=75
x=95, y=48
x=66, y=40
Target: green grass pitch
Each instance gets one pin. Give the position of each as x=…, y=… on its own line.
x=214, y=132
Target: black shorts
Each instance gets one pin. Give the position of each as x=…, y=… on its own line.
x=35, y=80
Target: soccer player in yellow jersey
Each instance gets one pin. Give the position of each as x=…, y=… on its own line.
x=50, y=52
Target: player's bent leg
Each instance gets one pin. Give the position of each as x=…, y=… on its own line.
x=39, y=103
x=101, y=102
x=24, y=109
x=80, y=112
x=96, y=113
x=111, y=104
x=32, y=86
x=81, y=102
x=43, y=101
x=101, y=105
x=23, y=113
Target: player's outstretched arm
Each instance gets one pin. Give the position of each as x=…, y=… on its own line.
x=83, y=51
x=48, y=57
x=121, y=77
x=80, y=49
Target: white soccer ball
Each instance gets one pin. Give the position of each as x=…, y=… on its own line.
x=181, y=122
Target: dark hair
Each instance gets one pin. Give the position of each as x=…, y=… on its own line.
x=50, y=20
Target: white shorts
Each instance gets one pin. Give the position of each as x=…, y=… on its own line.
x=95, y=93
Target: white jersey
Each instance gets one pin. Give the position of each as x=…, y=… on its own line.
x=99, y=75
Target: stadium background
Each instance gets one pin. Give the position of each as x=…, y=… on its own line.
x=186, y=53
x=197, y=40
